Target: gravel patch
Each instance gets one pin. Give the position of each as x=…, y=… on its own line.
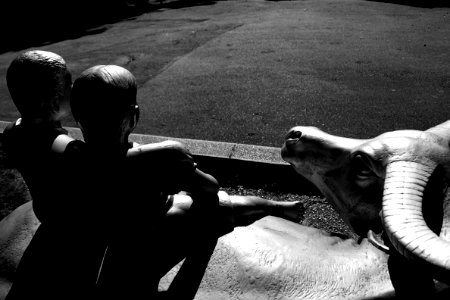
x=317, y=212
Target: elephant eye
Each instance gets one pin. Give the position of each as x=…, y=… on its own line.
x=362, y=166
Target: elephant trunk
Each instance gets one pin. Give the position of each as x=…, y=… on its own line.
x=403, y=218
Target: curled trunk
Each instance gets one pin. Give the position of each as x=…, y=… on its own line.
x=403, y=216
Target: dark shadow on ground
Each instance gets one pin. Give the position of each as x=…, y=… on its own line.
x=189, y=277
x=270, y=177
x=181, y=3
x=418, y=3
x=13, y=189
x=31, y=23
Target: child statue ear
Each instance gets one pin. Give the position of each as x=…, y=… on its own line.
x=134, y=116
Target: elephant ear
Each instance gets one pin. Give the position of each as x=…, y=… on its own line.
x=403, y=216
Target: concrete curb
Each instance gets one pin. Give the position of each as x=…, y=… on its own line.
x=232, y=163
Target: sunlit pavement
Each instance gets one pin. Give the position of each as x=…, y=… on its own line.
x=247, y=71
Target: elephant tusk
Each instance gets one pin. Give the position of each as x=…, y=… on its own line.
x=377, y=241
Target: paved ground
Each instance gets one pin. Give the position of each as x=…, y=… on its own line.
x=247, y=71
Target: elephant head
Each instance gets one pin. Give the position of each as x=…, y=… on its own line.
x=396, y=181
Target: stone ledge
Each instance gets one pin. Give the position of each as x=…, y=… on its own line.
x=246, y=152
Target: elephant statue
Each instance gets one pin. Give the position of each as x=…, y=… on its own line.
x=391, y=188
x=270, y=259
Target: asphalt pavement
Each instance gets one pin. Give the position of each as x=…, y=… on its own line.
x=247, y=71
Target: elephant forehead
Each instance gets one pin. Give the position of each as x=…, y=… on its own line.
x=406, y=144
x=415, y=135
